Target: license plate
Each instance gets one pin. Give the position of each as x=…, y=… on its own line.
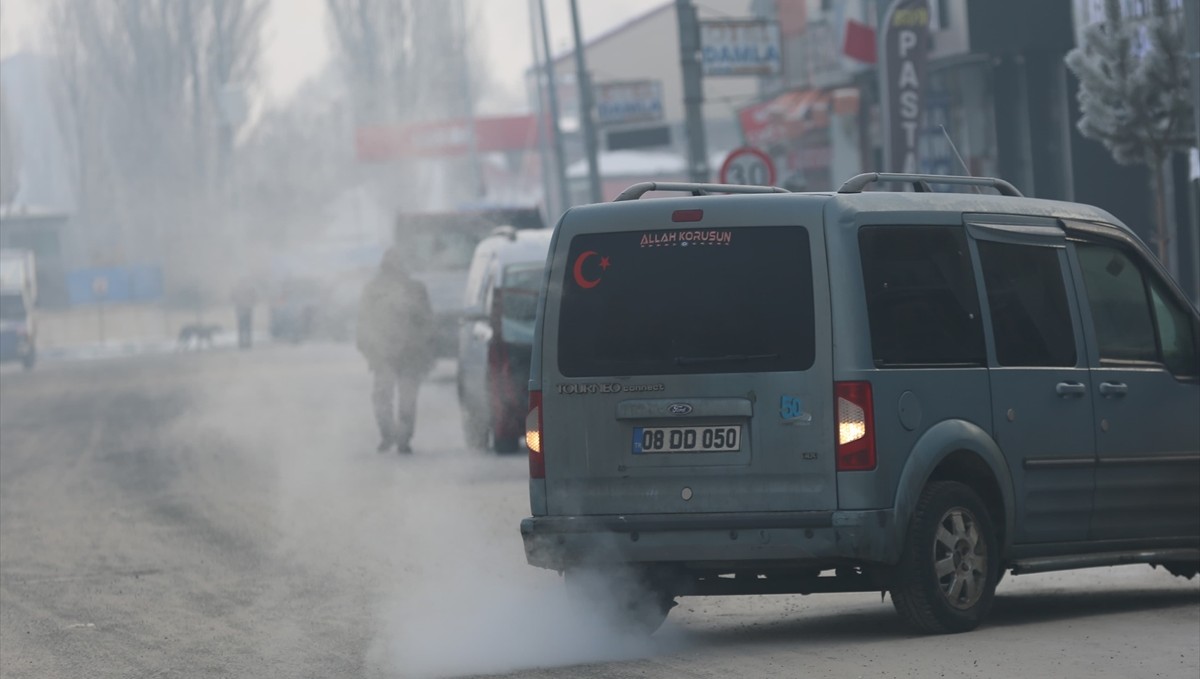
x=714, y=439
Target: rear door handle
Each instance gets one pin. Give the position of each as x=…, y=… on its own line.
x=1070, y=389
x=1113, y=389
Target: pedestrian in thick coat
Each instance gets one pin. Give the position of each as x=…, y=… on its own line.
x=395, y=334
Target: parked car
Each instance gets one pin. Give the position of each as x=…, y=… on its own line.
x=441, y=246
x=495, y=337
x=911, y=392
x=17, y=330
x=18, y=299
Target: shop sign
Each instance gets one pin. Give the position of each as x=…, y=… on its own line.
x=740, y=47
x=905, y=50
x=445, y=138
x=631, y=101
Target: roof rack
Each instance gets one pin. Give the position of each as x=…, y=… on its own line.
x=921, y=182
x=638, y=190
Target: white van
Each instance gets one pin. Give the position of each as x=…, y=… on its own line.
x=495, y=336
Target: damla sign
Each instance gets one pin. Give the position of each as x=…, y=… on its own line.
x=905, y=48
x=740, y=47
x=634, y=101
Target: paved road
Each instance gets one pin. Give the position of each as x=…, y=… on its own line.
x=221, y=514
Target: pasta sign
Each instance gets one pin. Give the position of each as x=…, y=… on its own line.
x=906, y=45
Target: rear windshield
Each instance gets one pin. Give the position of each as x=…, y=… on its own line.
x=686, y=302
x=520, y=290
x=523, y=276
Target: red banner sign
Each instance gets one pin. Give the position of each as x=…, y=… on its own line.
x=443, y=138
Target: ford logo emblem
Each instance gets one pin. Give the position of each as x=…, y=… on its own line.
x=679, y=408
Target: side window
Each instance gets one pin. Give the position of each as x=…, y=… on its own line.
x=1116, y=293
x=1176, y=334
x=1031, y=321
x=922, y=303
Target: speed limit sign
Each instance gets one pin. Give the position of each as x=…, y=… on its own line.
x=748, y=165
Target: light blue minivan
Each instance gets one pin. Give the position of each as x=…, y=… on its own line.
x=911, y=392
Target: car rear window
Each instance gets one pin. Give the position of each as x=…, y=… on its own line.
x=523, y=276
x=520, y=291
x=687, y=301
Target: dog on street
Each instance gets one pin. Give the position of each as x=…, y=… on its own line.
x=196, y=336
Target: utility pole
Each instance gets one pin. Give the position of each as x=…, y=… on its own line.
x=585, y=110
x=1191, y=22
x=560, y=159
x=543, y=142
x=693, y=89
x=459, y=26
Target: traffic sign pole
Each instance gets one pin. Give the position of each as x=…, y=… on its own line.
x=693, y=90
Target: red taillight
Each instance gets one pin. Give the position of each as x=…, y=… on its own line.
x=855, y=426
x=687, y=215
x=533, y=436
x=497, y=317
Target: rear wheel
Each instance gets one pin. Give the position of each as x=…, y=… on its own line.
x=508, y=434
x=505, y=444
x=1183, y=569
x=947, y=575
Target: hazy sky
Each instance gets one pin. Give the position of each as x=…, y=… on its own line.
x=296, y=45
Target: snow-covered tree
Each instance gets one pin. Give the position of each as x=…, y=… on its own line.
x=1134, y=94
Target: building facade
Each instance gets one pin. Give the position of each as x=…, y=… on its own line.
x=996, y=92
x=645, y=49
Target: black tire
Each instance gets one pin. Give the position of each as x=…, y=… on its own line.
x=629, y=600
x=952, y=533
x=1183, y=569
x=506, y=444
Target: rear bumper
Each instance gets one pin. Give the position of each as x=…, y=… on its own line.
x=560, y=542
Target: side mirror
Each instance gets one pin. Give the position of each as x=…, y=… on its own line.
x=473, y=316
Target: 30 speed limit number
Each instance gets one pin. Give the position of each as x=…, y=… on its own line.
x=748, y=165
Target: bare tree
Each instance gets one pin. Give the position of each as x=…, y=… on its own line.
x=408, y=61
x=296, y=161
x=147, y=87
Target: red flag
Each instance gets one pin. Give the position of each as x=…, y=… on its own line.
x=860, y=41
